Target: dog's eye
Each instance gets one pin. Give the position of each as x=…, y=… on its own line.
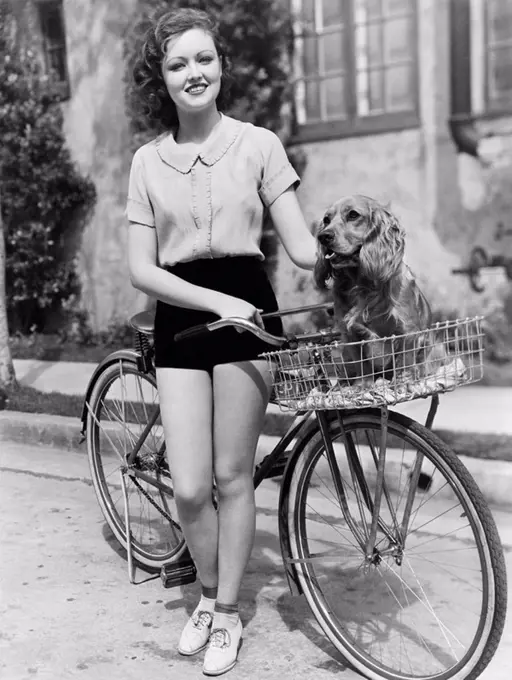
x=352, y=215
x=326, y=220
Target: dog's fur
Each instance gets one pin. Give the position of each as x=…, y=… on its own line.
x=361, y=249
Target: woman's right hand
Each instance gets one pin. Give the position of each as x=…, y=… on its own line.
x=230, y=306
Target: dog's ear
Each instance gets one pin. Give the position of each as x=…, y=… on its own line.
x=322, y=271
x=383, y=248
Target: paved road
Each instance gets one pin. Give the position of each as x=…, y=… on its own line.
x=67, y=609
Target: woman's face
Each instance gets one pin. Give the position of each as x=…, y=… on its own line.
x=192, y=70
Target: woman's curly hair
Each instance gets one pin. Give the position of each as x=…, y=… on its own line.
x=150, y=89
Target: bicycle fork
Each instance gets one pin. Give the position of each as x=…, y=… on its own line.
x=365, y=532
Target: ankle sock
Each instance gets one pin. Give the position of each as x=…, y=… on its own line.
x=225, y=616
x=208, y=599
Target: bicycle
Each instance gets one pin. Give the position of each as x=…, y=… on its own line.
x=381, y=526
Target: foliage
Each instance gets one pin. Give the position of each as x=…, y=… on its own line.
x=44, y=197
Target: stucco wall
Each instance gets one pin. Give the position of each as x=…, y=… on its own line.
x=96, y=128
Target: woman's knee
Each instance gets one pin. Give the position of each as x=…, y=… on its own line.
x=192, y=499
x=233, y=482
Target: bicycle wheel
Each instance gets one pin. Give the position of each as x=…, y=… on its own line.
x=121, y=406
x=429, y=603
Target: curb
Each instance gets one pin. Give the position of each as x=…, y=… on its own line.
x=494, y=477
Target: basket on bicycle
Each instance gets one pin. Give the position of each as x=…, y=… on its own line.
x=385, y=371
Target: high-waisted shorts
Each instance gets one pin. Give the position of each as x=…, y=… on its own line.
x=242, y=277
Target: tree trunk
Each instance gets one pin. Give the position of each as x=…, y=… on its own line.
x=7, y=375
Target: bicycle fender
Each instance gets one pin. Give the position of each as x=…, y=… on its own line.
x=129, y=354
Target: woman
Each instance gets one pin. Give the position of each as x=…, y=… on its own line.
x=196, y=200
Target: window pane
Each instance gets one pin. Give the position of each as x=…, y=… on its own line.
x=310, y=56
x=376, y=91
x=335, y=98
x=312, y=100
x=374, y=44
x=57, y=59
x=52, y=25
x=397, y=45
x=368, y=9
x=500, y=73
x=332, y=12
x=500, y=22
x=308, y=12
x=396, y=7
x=399, y=88
x=332, y=48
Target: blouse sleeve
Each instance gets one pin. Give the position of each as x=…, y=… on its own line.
x=139, y=208
x=278, y=173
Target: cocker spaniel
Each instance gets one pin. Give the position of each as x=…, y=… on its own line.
x=361, y=250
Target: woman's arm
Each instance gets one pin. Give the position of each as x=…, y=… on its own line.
x=289, y=222
x=156, y=282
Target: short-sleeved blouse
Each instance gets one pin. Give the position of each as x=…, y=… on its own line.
x=209, y=203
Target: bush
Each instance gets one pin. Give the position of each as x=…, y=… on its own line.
x=44, y=197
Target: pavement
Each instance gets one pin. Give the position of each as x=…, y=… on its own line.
x=469, y=409
x=67, y=609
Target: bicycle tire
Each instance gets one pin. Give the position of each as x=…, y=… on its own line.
x=481, y=648
x=117, y=411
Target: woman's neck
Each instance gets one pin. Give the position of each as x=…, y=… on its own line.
x=195, y=129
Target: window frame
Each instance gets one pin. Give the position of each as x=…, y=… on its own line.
x=490, y=107
x=355, y=125
x=62, y=85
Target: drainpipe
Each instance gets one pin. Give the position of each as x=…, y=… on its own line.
x=461, y=122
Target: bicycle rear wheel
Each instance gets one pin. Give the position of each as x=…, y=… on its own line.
x=433, y=608
x=122, y=404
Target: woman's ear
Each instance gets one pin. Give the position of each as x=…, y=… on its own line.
x=383, y=249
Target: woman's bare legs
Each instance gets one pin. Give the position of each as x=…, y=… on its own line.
x=187, y=410
x=241, y=394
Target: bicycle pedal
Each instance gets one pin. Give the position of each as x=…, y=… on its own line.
x=178, y=573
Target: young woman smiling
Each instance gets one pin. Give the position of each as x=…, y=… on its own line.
x=196, y=201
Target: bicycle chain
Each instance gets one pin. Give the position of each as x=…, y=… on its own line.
x=153, y=503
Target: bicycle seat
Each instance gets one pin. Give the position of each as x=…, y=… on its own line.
x=144, y=322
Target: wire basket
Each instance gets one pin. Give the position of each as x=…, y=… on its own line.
x=379, y=372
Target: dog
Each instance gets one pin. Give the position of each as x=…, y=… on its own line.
x=361, y=251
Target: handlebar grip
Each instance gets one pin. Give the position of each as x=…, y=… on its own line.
x=194, y=332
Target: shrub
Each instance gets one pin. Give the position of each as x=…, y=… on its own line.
x=44, y=197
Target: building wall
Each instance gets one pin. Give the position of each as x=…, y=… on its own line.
x=97, y=131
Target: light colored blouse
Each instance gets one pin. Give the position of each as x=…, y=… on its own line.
x=209, y=203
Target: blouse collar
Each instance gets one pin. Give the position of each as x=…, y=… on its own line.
x=182, y=159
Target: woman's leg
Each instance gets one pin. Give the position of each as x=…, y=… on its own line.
x=186, y=407
x=241, y=394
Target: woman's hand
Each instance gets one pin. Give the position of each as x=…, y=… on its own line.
x=230, y=306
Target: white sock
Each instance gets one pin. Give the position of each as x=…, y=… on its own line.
x=222, y=620
x=206, y=604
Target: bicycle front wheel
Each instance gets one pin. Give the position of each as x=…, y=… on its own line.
x=123, y=414
x=429, y=601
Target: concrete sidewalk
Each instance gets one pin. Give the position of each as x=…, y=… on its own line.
x=483, y=410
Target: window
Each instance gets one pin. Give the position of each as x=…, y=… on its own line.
x=54, y=41
x=355, y=66
x=498, y=32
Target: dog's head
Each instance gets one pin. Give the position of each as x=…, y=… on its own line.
x=358, y=233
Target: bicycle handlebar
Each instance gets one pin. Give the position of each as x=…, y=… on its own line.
x=236, y=322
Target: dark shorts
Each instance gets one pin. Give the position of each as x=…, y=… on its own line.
x=243, y=277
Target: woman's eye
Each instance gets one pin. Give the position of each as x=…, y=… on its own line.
x=175, y=67
x=206, y=60
x=353, y=215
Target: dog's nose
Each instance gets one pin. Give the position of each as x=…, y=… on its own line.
x=326, y=237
